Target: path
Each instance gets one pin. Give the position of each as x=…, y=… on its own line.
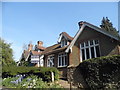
x=64, y=83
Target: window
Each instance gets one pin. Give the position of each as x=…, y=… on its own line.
x=50, y=61
x=62, y=60
x=90, y=49
x=63, y=42
x=34, y=56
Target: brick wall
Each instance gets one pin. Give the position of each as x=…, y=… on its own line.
x=74, y=56
x=75, y=77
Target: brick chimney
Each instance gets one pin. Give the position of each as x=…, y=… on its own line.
x=40, y=43
x=80, y=24
x=30, y=47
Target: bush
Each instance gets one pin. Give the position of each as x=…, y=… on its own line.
x=43, y=72
x=102, y=72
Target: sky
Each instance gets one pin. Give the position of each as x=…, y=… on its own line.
x=24, y=22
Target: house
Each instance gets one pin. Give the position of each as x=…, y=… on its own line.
x=89, y=42
x=33, y=56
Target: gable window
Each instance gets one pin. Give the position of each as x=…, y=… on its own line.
x=90, y=49
x=63, y=42
x=62, y=60
x=50, y=61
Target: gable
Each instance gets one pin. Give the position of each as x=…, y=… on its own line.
x=65, y=36
x=93, y=30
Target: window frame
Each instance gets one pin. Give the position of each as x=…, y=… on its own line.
x=50, y=59
x=63, y=58
x=63, y=42
x=84, y=47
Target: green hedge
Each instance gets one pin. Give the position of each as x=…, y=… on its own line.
x=102, y=72
x=43, y=72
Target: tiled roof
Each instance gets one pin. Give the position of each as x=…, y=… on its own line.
x=55, y=50
x=51, y=48
x=35, y=52
x=25, y=54
x=41, y=47
x=67, y=36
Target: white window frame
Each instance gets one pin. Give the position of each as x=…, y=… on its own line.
x=64, y=56
x=35, y=58
x=41, y=61
x=50, y=59
x=89, y=47
x=63, y=42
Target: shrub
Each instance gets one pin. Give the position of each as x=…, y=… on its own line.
x=102, y=72
x=43, y=72
x=7, y=82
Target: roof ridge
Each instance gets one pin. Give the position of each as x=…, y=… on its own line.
x=67, y=35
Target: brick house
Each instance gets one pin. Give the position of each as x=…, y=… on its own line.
x=33, y=56
x=89, y=42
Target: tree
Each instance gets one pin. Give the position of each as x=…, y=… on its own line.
x=108, y=26
x=7, y=53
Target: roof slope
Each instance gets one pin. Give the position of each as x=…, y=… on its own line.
x=49, y=49
x=35, y=52
x=67, y=36
x=41, y=47
x=25, y=54
x=53, y=49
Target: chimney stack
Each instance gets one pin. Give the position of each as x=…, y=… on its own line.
x=30, y=47
x=40, y=43
x=80, y=24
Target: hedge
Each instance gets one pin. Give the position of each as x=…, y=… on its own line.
x=102, y=72
x=43, y=72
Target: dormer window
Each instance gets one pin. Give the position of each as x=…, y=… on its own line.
x=63, y=42
x=64, y=39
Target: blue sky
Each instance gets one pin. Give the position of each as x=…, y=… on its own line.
x=32, y=21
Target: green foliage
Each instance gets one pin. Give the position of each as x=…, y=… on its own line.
x=31, y=81
x=108, y=26
x=7, y=53
x=43, y=72
x=7, y=82
x=102, y=72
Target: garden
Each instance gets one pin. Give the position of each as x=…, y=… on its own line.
x=29, y=77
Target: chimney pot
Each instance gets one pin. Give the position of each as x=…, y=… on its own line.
x=80, y=24
x=40, y=43
x=30, y=47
